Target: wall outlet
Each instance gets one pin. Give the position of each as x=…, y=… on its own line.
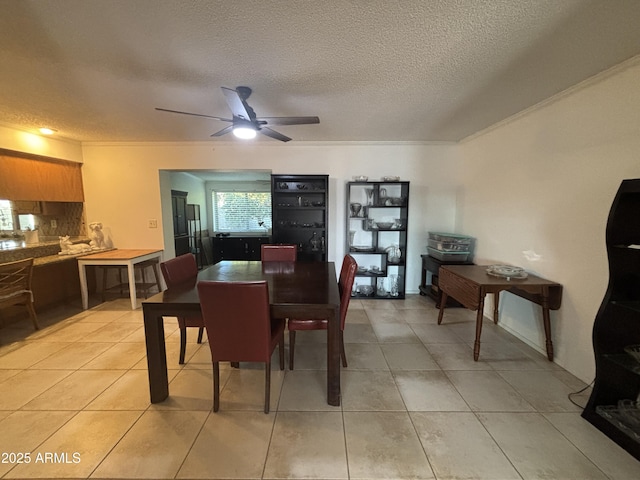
x=153, y=223
x=54, y=223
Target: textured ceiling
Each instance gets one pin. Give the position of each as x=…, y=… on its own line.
x=372, y=70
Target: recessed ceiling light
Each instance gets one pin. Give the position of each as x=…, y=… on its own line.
x=47, y=131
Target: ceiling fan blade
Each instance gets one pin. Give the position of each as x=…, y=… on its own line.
x=273, y=134
x=238, y=107
x=194, y=114
x=290, y=120
x=223, y=131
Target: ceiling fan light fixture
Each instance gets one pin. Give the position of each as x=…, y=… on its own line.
x=244, y=132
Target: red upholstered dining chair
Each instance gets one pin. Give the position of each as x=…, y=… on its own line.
x=279, y=253
x=240, y=328
x=183, y=269
x=15, y=286
x=345, y=283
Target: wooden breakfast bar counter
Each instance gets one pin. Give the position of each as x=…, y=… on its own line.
x=124, y=257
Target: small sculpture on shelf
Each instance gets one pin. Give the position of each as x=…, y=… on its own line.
x=314, y=242
x=393, y=253
x=68, y=248
x=97, y=237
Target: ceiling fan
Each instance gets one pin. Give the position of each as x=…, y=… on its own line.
x=244, y=123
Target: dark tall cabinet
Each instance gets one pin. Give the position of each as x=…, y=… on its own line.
x=613, y=405
x=180, y=224
x=300, y=213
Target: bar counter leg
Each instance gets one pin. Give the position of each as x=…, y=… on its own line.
x=132, y=285
x=333, y=360
x=496, y=307
x=156, y=356
x=84, y=290
x=479, y=317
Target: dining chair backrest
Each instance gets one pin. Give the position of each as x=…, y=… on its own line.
x=179, y=269
x=15, y=277
x=345, y=285
x=15, y=286
x=278, y=253
x=238, y=320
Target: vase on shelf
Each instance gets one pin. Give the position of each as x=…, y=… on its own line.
x=314, y=242
x=352, y=236
x=369, y=193
x=393, y=285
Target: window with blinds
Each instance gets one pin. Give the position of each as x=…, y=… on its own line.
x=241, y=212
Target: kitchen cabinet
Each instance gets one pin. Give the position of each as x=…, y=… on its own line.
x=37, y=178
x=300, y=214
x=376, y=234
x=237, y=248
x=195, y=233
x=58, y=282
x=27, y=207
x=613, y=404
x=23, y=207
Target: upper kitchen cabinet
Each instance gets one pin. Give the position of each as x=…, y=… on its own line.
x=300, y=213
x=36, y=178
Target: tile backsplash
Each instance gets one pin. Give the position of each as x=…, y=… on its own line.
x=71, y=222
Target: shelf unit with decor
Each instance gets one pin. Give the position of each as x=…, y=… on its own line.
x=613, y=406
x=300, y=214
x=376, y=235
x=195, y=233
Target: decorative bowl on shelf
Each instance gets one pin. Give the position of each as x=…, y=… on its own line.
x=384, y=225
x=360, y=178
x=394, y=201
x=366, y=290
x=361, y=248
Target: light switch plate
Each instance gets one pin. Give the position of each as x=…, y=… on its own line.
x=153, y=223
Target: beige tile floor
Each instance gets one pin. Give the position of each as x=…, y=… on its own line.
x=74, y=401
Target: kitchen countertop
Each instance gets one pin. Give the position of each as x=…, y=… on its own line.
x=43, y=252
x=49, y=259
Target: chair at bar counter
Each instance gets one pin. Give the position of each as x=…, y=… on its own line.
x=181, y=269
x=240, y=328
x=345, y=284
x=278, y=253
x=15, y=287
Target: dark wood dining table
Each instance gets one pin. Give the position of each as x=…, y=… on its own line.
x=307, y=290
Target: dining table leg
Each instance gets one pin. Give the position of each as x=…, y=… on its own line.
x=443, y=303
x=546, y=321
x=479, y=318
x=333, y=360
x=156, y=356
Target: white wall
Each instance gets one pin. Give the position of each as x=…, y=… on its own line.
x=28, y=142
x=545, y=182
x=123, y=184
